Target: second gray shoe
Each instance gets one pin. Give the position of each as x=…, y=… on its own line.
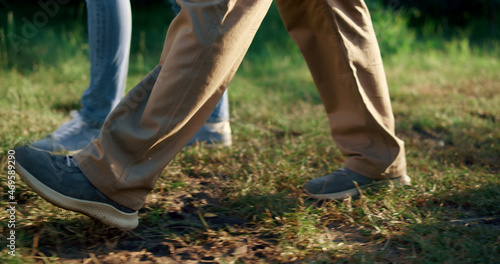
x=343, y=183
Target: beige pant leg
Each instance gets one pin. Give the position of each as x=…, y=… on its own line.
x=203, y=48
x=337, y=40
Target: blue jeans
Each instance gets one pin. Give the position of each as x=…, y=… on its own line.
x=109, y=34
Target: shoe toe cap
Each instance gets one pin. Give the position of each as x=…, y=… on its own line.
x=27, y=156
x=316, y=186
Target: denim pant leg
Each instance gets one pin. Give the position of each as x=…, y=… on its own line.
x=221, y=111
x=109, y=34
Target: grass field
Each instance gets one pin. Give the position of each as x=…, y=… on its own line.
x=245, y=204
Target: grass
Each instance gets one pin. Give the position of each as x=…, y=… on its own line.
x=244, y=204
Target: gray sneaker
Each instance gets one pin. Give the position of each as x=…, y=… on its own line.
x=58, y=180
x=72, y=136
x=343, y=183
x=213, y=134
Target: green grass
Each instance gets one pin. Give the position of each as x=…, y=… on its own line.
x=245, y=204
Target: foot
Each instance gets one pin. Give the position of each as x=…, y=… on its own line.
x=343, y=183
x=58, y=180
x=72, y=136
x=212, y=134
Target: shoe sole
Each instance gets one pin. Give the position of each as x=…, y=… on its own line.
x=401, y=181
x=105, y=213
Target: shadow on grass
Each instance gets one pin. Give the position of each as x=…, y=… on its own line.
x=457, y=148
x=447, y=227
x=466, y=229
x=192, y=227
x=478, y=201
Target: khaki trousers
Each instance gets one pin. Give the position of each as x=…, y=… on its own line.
x=204, y=46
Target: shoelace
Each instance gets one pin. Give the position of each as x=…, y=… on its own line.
x=69, y=161
x=71, y=126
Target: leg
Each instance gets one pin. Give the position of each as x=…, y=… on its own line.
x=148, y=128
x=339, y=45
x=205, y=44
x=109, y=33
x=110, y=28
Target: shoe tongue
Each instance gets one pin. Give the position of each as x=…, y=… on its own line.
x=64, y=161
